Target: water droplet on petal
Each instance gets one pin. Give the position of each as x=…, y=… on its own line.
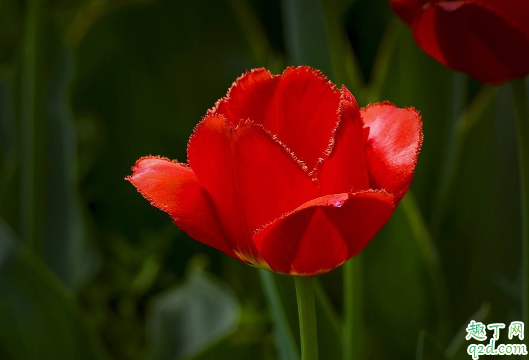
x=338, y=203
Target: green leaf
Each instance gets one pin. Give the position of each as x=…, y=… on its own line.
x=190, y=317
x=52, y=219
x=8, y=144
x=258, y=42
x=457, y=349
x=463, y=122
x=305, y=35
x=397, y=286
x=329, y=324
x=428, y=348
x=11, y=24
x=345, y=68
x=426, y=246
x=383, y=59
x=39, y=319
x=286, y=347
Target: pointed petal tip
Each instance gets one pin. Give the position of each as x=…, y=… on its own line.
x=247, y=79
x=142, y=164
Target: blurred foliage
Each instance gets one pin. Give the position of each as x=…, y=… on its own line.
x=186, y=319
x=39, y=316
x=107, y=276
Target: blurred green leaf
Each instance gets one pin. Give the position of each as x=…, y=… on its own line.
x=481, y=230
x=87, y=13
x=430, y=256
x=52, y=219
x=383, y=59
x=353, y=337
x=305, y=35
x=8, y=146
x=329, y=324
x=287, y=348
x=464, y=118
x=39, y=319
x=345, y=69
x=188, y=318
x=11, y=24
x=260, y=46
x=27, y=126
x=456, y=350
x=428, y=348
x=397, y=287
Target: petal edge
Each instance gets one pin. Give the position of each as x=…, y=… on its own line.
x=393, y=146
x=173, y=188
x=346, y=221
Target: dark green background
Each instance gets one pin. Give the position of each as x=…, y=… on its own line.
x=103, y=275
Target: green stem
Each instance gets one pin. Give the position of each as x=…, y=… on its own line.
x=521, y=108
x=307, y=317
x=28, y=124
x=283, y=335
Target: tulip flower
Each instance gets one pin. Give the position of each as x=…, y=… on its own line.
x=486, y=39
x=286, y=173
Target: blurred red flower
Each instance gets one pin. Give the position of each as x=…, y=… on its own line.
x=287, y=173
x=487, y=39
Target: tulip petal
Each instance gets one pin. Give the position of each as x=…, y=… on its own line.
x=248, y=97
x=323, y=233
x=173, y=188
x=298, y=106
x=346, y=168
x=394, y=142
x=515, y=12
x=489, y=40
x=252, y=179
x=407, y=9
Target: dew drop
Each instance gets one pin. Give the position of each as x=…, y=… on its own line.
x=338, y=204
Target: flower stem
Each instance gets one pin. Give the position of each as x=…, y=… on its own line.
x=521, y=108
x=307, y=318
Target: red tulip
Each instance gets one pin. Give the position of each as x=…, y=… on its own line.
x=286, y=173
x=487, y=39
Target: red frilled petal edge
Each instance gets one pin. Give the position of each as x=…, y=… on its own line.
x=323, y=233
x=299, y=106
x=173, y=188
x=393, y=146
x=487, y=39
x=345, y=169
